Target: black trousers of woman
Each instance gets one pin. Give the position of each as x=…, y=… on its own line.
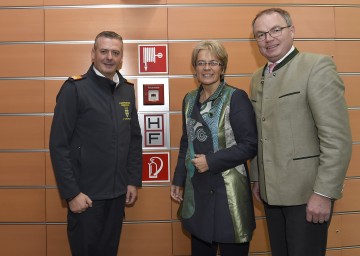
x=202, y=248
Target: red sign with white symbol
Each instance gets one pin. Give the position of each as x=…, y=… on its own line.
x=153, y=94
x=153, y=59
x=156, y=167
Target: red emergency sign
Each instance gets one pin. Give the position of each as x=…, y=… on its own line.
x=153, y=59
x=156, y=167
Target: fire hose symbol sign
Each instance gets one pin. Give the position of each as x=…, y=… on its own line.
x=149, y=55
x=153, y=59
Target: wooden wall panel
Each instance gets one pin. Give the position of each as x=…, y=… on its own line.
x=22, y=132
x=354, y=166
x=83, y=24
x=52, y=88
x=350, y=201
x=347, y=56
x=22, y=205
x=22, y=169
x=176, y=130
x=56, y=241
x=81, y=2
x=174, y=209
x=56, y=209
x=258, y=208
x=47, y=129
x=242, y=83
x=355, y=124
x=130, y=62
x=310, y=24
x=27, y=62
x=333, y=253
x=238, y=52
x=181, y=242
x=334, y=236
x=178, y=89
x=75, y=59
x=50, y=177
x=320, y=47
x=150, y=239
x=260, y=241
x=350, y=251
x=352, y=90
x=153, y=203
x=236, y=22
x=187, y=23
x=22, y=25
x=345, y=19
x=350, y=226
x=22, y=2
x=173, y=161
x=29, y=240
x=181, y=52
x=67, y=59
x=21, y=96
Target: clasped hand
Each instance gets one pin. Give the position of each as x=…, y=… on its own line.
x=200, y=163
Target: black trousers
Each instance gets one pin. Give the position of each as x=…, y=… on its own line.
x=96, y=232
x=291, y=235
x=202, y=248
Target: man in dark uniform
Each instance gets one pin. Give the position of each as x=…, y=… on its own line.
x=96, y=150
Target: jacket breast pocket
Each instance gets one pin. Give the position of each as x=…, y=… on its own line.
x=289, y=102
x=289, y=94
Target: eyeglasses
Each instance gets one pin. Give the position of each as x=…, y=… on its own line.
x=274, y=32
x=212, y=63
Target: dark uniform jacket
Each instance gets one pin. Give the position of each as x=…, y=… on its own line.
x=95, y=140
x=217, y=204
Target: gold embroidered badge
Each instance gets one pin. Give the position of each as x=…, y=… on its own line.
x=126, y=105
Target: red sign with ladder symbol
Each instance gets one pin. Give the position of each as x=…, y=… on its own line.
x=153, y=59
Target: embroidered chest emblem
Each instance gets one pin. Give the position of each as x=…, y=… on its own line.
x=126, y=105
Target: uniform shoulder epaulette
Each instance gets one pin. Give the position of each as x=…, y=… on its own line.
x=76, y=78
x=126, y=81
